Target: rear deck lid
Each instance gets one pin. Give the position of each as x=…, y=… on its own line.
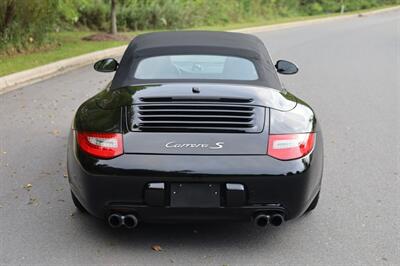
x=197, y=119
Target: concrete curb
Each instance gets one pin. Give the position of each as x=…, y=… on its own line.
x=311, y=21
x=24, y=78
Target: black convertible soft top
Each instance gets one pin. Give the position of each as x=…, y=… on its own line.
x=196, y=42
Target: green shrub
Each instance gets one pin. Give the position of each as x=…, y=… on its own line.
x=94, y=15
x=315, y=9
x=25, y=24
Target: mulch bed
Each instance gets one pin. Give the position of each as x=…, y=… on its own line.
x=107, y=37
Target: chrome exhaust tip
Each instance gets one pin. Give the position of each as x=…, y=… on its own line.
x=262, y=220
x=130, y=221
x=276, y=220
x=115, y=220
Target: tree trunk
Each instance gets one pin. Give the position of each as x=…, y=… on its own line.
x=113, y=17
x=8, y=16
x=342, y=7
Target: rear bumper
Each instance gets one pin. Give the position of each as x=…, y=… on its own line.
x=118, y=185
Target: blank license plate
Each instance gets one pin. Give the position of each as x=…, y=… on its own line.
x=195, y=195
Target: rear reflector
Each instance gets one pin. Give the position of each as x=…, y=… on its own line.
x=101, y=145
x=290, y=146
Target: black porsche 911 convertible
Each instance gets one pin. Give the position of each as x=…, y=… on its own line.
x=195, y=126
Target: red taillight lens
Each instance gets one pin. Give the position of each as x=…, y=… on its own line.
x=290, y=146
x=101, y=145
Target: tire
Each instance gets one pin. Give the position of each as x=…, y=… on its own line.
x=77, y=204
x=313, y=204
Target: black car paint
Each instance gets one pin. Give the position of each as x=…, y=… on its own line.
x=117, y=185
x=102, y=112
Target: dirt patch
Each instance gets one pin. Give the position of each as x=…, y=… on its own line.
x=107, y=37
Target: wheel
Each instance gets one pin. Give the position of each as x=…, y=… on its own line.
x=77, y=204
x=313, y=204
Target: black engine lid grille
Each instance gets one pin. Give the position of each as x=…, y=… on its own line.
x=196, y=99
x=196, y=117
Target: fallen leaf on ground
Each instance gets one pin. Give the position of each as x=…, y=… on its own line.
x=156, y=248
x=56, y=132
x=27, y=187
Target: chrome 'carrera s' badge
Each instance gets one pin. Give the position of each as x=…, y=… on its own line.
x=215, y=146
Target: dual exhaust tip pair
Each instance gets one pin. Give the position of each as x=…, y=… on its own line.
x=263, y=219
x=129, y=221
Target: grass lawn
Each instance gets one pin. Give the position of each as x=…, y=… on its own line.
x=71, y=44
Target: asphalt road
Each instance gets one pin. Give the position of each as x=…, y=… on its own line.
x=350, y=74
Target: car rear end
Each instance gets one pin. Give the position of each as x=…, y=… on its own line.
x=194, y=157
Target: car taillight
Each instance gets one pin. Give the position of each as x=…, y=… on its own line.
x=290, y=146
x=101, y=145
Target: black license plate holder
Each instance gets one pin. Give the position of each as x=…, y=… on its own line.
x=195, y=195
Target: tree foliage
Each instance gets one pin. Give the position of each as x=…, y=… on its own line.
x=25, y=23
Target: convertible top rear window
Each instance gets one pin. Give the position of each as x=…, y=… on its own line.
x=218, y=67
